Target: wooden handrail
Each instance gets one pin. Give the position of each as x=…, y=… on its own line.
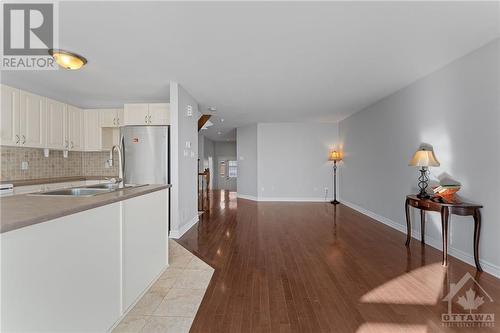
x=203, y=196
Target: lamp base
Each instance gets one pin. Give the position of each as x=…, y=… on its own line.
x=423, y=196
x=334, y=202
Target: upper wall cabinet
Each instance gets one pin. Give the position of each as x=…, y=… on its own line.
x=32, y=119
x=147, y=114
x=56, y=125
x=9, y=125
x=92, y=130
x=159, y=114
x=111, y=117
x=74, y=132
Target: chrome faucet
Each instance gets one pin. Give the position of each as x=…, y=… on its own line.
x=120, y=160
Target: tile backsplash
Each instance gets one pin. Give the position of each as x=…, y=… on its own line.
x=76, y=164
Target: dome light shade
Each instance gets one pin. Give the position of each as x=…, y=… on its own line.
x=68, y=60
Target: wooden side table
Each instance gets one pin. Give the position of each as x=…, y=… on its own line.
x=457, y=208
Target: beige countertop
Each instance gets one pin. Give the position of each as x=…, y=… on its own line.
x=52, y=180
x=20, y=211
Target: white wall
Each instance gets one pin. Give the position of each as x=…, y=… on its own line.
x=455, y=109
x=183, y=166
x=246, y=150
x=293, y=160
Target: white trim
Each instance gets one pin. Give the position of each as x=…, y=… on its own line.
x=280, y=199
x=435, y=243
x=176, y=234
x=292, y=199
x=248, y=197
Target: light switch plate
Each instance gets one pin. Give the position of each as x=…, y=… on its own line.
x=186, y=153
x=188, y=144
x=24, y=165
x=189, y=110
x=192, y=154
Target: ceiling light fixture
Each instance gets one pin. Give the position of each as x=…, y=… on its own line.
x=212, y=109
x=68, y=60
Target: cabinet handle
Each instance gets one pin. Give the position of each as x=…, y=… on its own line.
x=66, y=144
x=146, y=119
x=17, y=139
x=114, y=121
x=72, y=145
x=118, y=121
x=150, y=119
x=24, y=139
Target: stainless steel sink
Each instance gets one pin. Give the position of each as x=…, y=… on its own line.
x=88, y=191
x=76, y=192
x=114, y=186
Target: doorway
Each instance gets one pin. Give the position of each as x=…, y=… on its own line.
x=227, y=174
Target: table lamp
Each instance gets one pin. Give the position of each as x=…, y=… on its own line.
x=335, y=156
x=423, y=158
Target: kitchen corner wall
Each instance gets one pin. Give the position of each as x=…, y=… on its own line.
x=183, y=160
x=54, y=166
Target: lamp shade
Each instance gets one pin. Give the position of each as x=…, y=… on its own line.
x=424, y=158
x=335, y=156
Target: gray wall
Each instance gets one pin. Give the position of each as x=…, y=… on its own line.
x=286, y=161
x=293, y=160
x=455, y=109
x=246, y=149
x=184, y=210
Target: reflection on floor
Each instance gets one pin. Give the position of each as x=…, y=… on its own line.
x=172, y=302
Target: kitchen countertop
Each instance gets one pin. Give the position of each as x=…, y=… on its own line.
x=24, y=210
x=53, y=180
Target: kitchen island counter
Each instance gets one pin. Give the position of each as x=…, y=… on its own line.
x=24, y=210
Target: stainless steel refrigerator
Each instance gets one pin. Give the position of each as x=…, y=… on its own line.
x=145, y=154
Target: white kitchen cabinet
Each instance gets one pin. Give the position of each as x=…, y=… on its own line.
x=9, y=126
x=159, y=114
x=111, y=117
x=80, y=272
x=74, y=133
x=145, y=229
x=136, y=114
x=56, y=125
x=32, y=120
x=92, y=130
x=147, y=114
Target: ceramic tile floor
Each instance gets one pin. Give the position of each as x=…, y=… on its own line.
x=170, y=305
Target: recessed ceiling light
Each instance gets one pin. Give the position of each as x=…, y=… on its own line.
x=219, y=133
x=221, y=120
x=68, y=60
x=212, y=109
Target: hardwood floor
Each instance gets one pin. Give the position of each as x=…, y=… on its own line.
x=314, y=267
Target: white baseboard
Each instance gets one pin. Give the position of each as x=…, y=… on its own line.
x=435, y=243
x=292, y=199
x=284, y=199
x=177, y=233
x=247, y=197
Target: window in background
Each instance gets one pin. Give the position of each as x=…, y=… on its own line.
x=222, y=168
x=233, y=169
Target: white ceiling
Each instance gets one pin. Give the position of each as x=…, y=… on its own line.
x=260, y=61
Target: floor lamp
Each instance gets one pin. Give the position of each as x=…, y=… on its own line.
x=335, y=156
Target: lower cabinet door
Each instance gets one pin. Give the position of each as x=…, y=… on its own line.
x=145, y=225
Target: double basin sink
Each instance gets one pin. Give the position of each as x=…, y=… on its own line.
x=88, y=191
